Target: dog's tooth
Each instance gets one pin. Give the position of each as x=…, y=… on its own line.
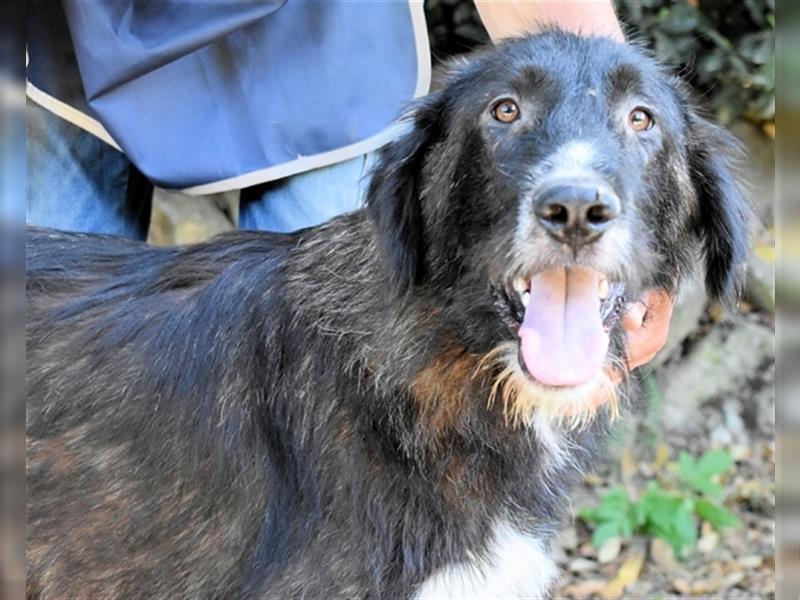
x=602, y=288
x=525, y=297
x=520, y=285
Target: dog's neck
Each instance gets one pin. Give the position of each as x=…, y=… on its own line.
x=432, y=402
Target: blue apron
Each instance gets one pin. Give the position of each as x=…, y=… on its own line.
x=208, y=96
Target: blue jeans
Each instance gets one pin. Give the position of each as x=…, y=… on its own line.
x=306, y=199
x=77, y=182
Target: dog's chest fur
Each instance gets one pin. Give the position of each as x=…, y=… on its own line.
x=514, y=565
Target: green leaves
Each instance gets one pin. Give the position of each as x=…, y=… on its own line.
x=670, y=514
x=726, y=48
x=679, y=19
x=701, y=475
x=667, y=516
x=614, y=517
x=718, y=516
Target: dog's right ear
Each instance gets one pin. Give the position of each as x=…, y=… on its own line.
x=723, y=215
x=393, y=196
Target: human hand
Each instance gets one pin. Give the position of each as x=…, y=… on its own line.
x=646, y=324
x=512, y=18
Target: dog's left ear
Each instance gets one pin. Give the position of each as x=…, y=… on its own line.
x=723, y=214
x=393, y=196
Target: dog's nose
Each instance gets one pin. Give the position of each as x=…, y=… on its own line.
x=576, y=214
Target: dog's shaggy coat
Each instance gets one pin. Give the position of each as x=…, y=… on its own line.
x=308, y=415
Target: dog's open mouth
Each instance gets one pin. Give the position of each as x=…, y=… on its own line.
x=563, y=317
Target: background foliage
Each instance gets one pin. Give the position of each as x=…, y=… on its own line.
x=724, y=47
x=667, y=509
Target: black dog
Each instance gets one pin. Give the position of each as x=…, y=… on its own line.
x=385, y=406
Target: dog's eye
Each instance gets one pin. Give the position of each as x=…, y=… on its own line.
x=506, y=111
x=640, y=120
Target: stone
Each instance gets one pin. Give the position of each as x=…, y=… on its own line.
x=568, y=538
x=181, y=219
x=717, y=366
x=690, y=305
x=581, y=565
x=662, y=554
x=708, y=542
x=760, y=172
x=609, y=550
x=760, y=284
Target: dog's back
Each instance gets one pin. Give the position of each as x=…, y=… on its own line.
x=195, y=429
x=142, y=488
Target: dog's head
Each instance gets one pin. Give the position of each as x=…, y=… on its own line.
x=548, y=179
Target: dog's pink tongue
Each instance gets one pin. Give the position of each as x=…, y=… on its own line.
x=562, y=338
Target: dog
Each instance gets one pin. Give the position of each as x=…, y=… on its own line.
x=394, y=404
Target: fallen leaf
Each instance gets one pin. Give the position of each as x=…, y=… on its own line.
x=609, y=550
x=627, y=574
x=662, y=457
x=592, y=480
x=732, y=579
x=682, y=587
x=716, y=584
x=583, y=589
x=662, y=554
x=627, y=463
x=707, y=586
x=765, y=251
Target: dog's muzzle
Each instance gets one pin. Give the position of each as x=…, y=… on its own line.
x=564, y=330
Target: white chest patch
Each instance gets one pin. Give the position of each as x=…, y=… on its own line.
x=515, y=566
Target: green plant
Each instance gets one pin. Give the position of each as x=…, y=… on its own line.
x=667, y=512
x=726, y=48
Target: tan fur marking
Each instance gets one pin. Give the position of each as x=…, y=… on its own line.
x=440, y=391
x=440, y=388
x=54, y=454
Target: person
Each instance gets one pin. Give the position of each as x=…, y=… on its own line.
x=123, y=94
